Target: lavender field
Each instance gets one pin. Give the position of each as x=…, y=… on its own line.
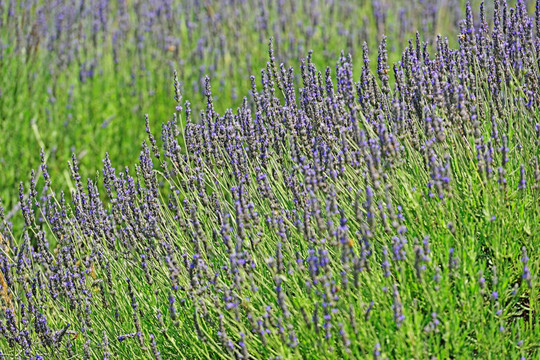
x=272, y=180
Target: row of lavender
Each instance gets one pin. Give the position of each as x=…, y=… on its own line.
x=60, y=59
x=344, y=219
x=190, y=32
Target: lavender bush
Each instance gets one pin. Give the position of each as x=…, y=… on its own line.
x=376, y=214
x=77, y=76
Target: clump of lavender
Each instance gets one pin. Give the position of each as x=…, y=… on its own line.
x=283, y=229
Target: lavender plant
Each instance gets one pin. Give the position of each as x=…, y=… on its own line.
x=356, y=215
x=76, y=76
